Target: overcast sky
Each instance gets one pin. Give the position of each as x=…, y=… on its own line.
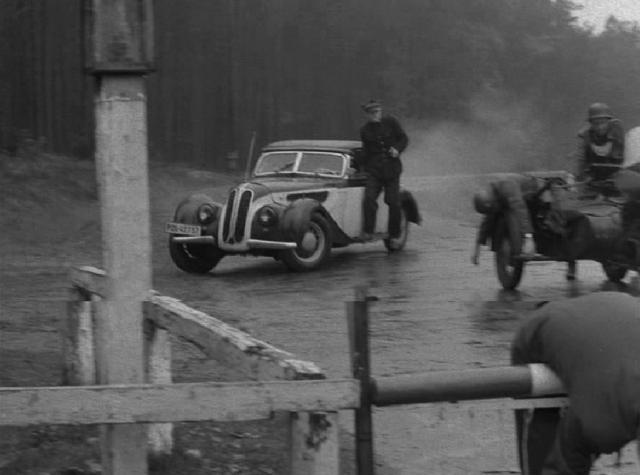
x=596, y=12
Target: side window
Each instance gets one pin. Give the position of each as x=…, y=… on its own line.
x=330, y=164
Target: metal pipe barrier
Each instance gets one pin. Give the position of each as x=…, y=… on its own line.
x=451, y=386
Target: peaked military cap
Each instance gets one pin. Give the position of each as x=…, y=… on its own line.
x=371, y=105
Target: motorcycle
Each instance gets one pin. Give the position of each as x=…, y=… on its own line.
x=571, y=222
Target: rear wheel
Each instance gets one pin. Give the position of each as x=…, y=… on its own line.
x=399, y=243
x=194, y=258
x=614, y=272
x=509, y=269
x=313, y=248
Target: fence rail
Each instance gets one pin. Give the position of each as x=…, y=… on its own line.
x=119, y=404
x=254, y=358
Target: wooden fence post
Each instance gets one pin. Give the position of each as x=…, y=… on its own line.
x=158, y=371
x=358, y=324
x=78, y=344
x=314, y=445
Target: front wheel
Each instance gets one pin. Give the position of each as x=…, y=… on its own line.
x=509, y=269
x=314, y=247
x=398, y=243
x=614, y=272
x=194, y=258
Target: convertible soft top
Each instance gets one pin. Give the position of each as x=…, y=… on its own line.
x=343, y=146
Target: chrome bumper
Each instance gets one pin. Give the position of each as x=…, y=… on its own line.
x=194, y=239
x=279, y=245
x=250, y=243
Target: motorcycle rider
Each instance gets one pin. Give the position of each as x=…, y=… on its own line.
x=600, y=149
x=599, y=152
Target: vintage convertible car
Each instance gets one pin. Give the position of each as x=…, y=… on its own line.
x=570, y=226
x=303, y=199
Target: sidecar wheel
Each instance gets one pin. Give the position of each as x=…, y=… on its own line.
x=508, y=269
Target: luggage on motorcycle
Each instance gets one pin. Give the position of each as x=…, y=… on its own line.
x=605, y=220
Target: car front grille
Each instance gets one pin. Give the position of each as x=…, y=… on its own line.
x=235, y=219
x=243, y=210
x=227, y=217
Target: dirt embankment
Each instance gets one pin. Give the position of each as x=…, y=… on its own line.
x=50, y=220
x=52, y=201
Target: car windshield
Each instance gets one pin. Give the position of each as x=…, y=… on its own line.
x=276, y=162
x=321, y=163
x=307, y=163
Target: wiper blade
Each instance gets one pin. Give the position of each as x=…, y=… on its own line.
x=284, y=168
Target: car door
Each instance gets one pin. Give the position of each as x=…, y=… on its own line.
x=353, y=221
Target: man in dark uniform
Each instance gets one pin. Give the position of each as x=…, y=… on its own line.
x=600, y=149
x=383, y=140
x=592, y=343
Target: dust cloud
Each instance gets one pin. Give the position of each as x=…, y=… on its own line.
x=500, y=135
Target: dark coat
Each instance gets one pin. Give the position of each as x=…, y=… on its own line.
x=377, y=138
x=591, y=343
x=510, y=194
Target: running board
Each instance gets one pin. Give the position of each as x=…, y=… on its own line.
x=538, y=258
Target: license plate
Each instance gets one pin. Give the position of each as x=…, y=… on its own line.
x=180, y=228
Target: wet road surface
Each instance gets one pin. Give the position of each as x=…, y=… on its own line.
x=435, y=311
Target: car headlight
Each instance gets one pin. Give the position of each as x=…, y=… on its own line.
x=267, y=216
x=207, y=213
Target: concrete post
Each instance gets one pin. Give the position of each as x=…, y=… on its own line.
x=121, y=159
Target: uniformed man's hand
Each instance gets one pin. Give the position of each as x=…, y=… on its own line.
x=393, y=152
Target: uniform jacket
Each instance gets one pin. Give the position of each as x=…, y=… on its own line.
x=510, y=194
x=591, y=343
x=377, y=138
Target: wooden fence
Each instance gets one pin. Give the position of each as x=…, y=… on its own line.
x=274, y=380
x=277, y=381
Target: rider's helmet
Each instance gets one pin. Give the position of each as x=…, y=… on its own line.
x=484, y=201
x=599, y=110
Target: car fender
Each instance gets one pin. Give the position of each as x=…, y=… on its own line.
x=187, y=210
x=410, y=207
x=296, y=217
